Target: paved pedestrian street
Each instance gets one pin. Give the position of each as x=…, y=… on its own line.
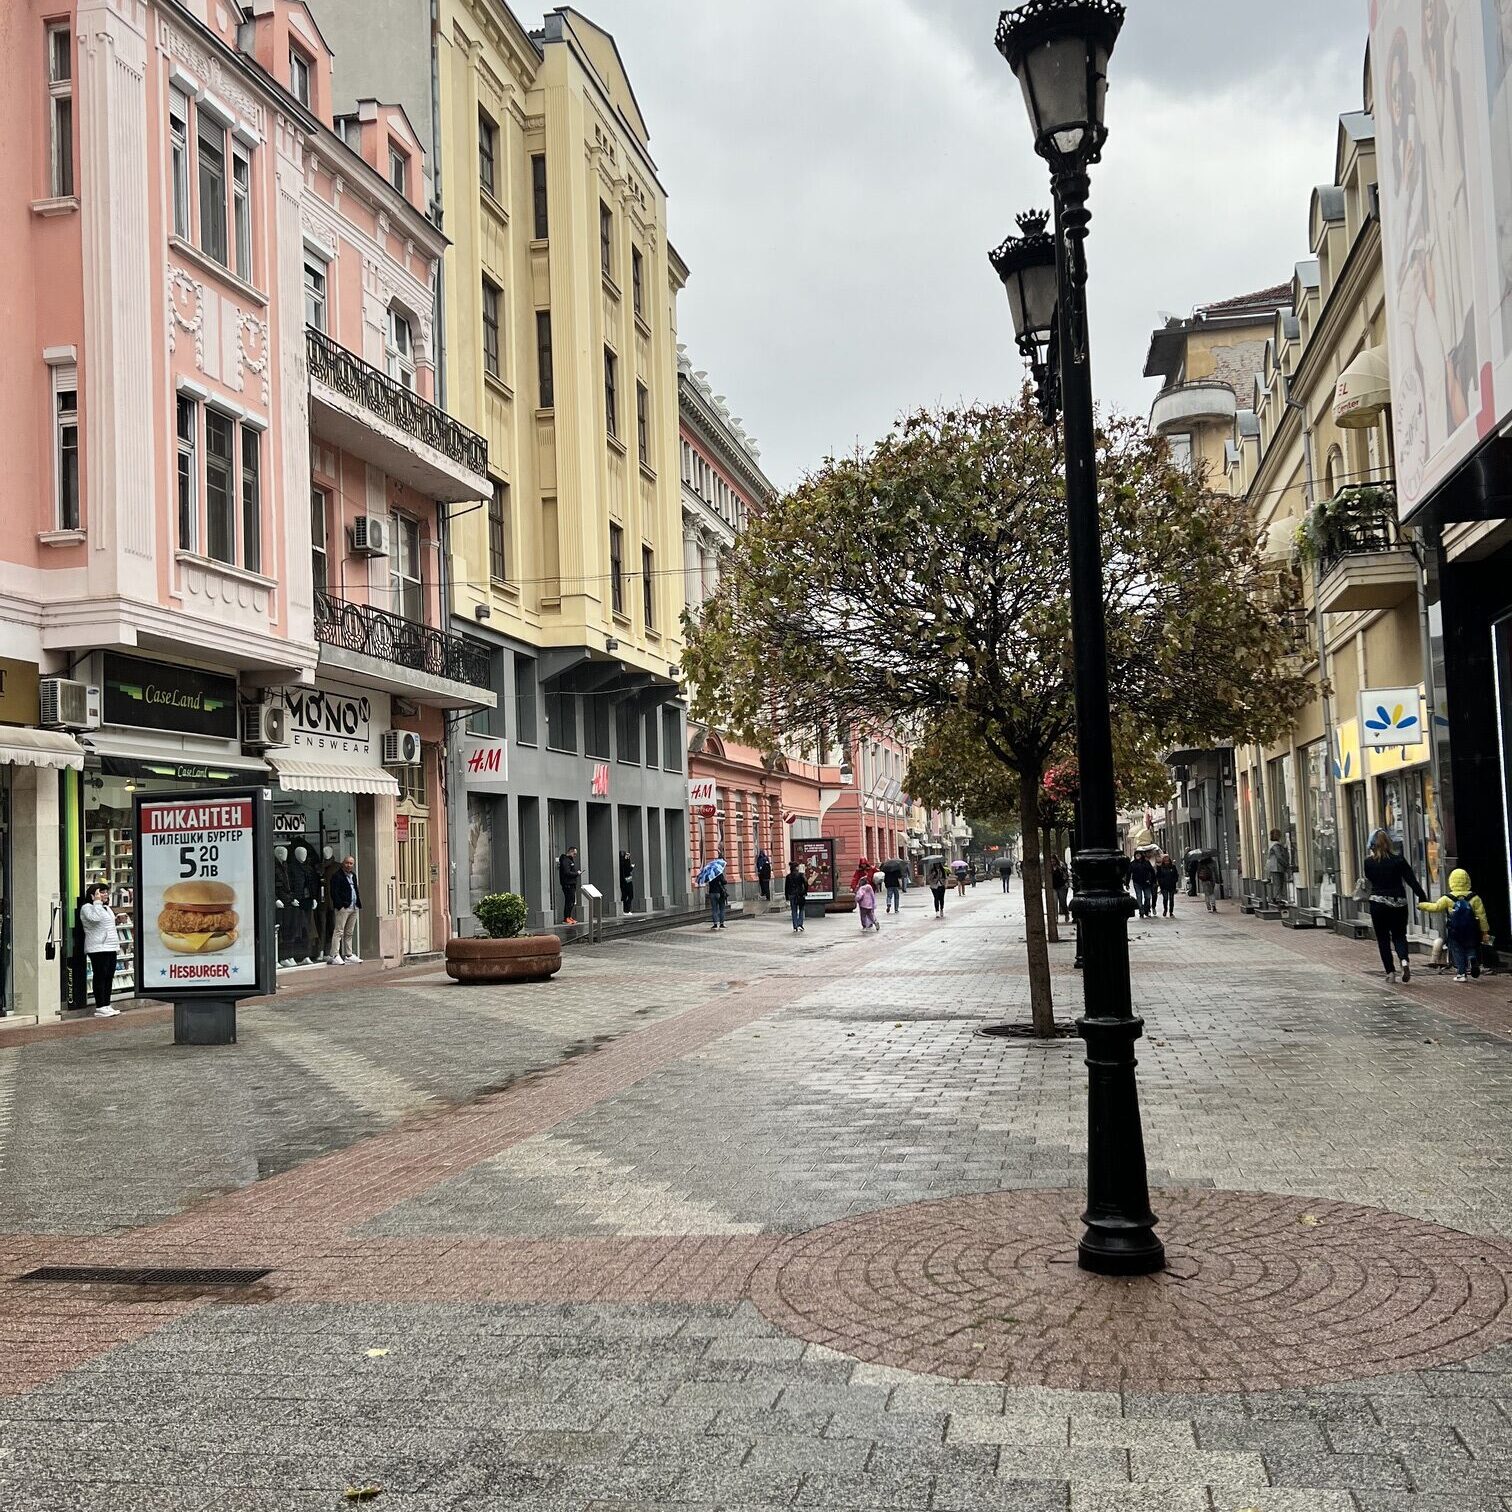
x=759, y=1220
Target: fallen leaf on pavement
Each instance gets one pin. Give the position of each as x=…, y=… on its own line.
x=362, y=1493
x=376, y=1354
x=1309, y=1220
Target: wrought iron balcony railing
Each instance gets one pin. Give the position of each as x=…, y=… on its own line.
x=404, y=643
x=362, y=383
x=1356, y=521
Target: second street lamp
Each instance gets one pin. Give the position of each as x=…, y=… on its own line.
x=1026, y=265
x=1059, y=50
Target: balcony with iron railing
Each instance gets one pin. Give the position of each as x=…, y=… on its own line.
x=1355, y=539
x=385, y=650
x=365, y=412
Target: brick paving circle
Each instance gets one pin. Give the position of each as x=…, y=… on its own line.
x=1262, y=1292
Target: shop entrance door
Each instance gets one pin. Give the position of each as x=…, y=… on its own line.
x=414, y=884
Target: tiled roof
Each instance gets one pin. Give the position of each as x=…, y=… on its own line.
x=1277, y=294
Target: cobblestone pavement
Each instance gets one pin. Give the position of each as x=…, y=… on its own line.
x=760, y=1220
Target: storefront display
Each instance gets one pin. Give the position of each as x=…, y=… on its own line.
x=313, y=834
x=1321, y=827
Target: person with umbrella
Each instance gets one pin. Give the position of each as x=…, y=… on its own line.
x=712, y=876
x=960, y=869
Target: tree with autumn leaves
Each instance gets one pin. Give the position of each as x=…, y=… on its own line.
x=926, y=582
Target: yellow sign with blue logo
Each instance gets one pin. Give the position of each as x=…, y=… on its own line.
x=1392, y=729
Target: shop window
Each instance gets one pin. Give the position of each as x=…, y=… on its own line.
x=538, y=195
x=561, y=720
x=596, y=722
x=672, y=743
x=525, y=700
x=60, y=111
x=66, y=447
x=627, y=728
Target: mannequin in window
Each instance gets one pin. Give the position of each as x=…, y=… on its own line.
x=283, y=905
x=304, y=883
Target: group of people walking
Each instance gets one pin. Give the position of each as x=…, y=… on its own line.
x=1156, y=881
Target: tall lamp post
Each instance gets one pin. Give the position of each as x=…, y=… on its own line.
x=1059, y=51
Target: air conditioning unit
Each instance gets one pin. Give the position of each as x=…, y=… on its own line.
x=401, y=748
x=264, y=724
x=370, y=536
x=68, y=705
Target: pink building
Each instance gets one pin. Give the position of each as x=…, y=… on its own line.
x=227, y=477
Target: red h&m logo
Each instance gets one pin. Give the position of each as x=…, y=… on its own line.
x=486, y=761
x=600, y=785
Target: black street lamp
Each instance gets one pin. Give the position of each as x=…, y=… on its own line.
x=1059, y=51
x=1026, y=265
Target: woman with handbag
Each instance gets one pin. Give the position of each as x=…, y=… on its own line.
x=1388, y=876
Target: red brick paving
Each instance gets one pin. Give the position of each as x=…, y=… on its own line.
x=1262, y=1292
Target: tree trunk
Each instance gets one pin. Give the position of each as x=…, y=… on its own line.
x=1041, y=1003
x=1052, y=914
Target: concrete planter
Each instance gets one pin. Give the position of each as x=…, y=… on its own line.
x=526, y=958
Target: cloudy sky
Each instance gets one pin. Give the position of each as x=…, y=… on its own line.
x=837, y=170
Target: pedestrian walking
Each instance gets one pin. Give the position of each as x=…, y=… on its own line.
x=102, y=944
x=1142, y=875
x=892, y=880
x=764, y=874
x=1005, y=871
x=627, y=881
x=569, y=874
x=795, y=891
x=1388, y=876
x=346, y=905
x=1207, y=882
x=1192, y=857
x=935, y=879
x=1467, y=928
x=862, y=872
x=1060, y=884
x=866, y=905
x=959, y=868
x=712, y=876
x=1278, y=867
x=1167, y=880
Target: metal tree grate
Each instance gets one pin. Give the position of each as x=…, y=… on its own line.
x=146, y=1275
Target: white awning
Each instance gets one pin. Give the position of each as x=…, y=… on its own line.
x=40, y=748
x=296, y=775
x=1363, y=390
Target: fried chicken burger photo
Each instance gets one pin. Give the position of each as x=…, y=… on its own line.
x=197, y=917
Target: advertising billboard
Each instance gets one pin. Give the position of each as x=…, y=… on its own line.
x=1443, y=111
x=816, y=859
x=201, y=914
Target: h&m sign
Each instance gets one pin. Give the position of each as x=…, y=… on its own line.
x=485, y=763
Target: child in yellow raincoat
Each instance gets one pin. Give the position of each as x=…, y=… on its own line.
x=1467, y=926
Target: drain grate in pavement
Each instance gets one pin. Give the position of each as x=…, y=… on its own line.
x=145, y=1275
x=1062, y=1030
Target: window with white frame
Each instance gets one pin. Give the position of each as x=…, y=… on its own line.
x=401, y=349
x=398, y=169
x=320, y=563
x=66, y=446
x=178, y=132
x=219, y=484
x=241, y=210
x=299, y=76
x=60, y=109
x=315, y=293
x=404, y=569
x=188, y=473
x=211, y=144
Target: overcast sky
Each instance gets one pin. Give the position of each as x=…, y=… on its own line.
x=838, y=169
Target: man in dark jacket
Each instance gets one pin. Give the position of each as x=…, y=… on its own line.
x=795, y=890
x=346, y=903
x=627, y=881
x=892, y=875
x=764, y=874
x=1142, y=875
x=569, y=873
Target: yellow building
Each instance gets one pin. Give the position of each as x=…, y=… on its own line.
x=1313, y=455
x=556, y=320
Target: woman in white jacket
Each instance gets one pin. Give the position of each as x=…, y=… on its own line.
x=101, y=944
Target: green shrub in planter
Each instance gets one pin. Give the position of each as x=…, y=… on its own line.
x=502, y=915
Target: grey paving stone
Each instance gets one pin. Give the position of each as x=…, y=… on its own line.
x=1346, y=1472
x=1007, y=1493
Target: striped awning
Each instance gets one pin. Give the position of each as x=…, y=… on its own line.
x=297, y=774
